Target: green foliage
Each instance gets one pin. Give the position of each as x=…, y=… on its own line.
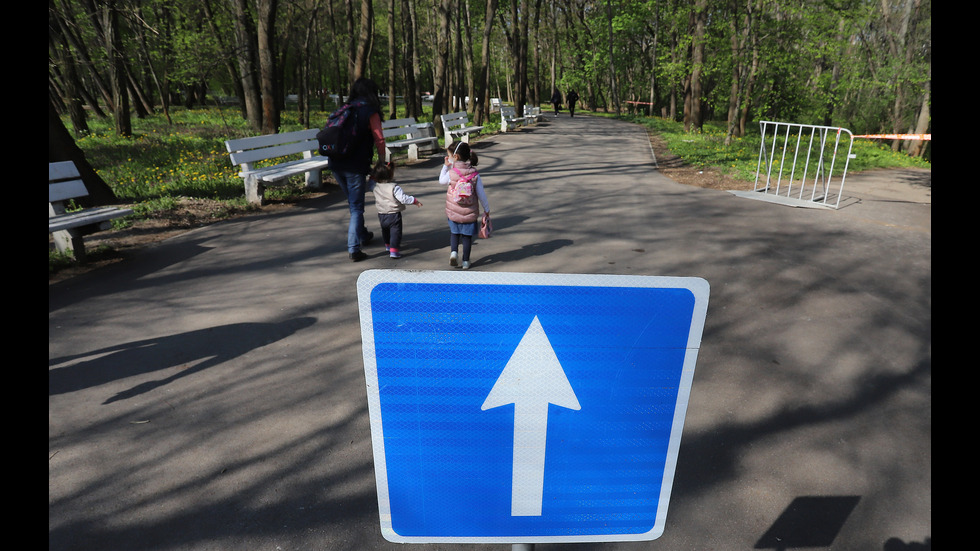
x=59, y=261
x=163, y=161
x=187, y=158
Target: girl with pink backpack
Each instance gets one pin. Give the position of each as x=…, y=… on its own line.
x=464, y=196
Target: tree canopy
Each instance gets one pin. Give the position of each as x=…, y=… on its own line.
x=861, y=64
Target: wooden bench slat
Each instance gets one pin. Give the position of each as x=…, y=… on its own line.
x=287, y=169
x=62, y=170
x=266, y=140
x=411, y=141
x=85, y=217
x=63, y=191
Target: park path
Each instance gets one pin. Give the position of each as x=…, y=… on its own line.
x=209, y=394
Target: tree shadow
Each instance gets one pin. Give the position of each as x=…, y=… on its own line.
x=187, y=353
x=527, y=251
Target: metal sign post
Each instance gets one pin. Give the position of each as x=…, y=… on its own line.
x=525, y=408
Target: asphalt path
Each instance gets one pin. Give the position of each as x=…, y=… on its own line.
x=209, y=393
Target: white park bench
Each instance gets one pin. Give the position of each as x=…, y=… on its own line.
x=252, y=151
x=509, y=118
x=69, y=228
x=532, y=114
x=457, y=126
x=410, y=135
x=494, y=105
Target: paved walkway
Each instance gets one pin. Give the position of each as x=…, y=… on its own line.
x=209, y=394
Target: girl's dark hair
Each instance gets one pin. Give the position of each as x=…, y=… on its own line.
x=465, y=153
x=367, y=90
x=383, y=172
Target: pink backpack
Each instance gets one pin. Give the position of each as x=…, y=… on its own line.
x=462, y=193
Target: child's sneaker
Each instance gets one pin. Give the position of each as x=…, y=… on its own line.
x=393, y=253
x=453, y=258
x=466, y=264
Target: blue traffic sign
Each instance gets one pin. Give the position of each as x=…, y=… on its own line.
x=525, y=408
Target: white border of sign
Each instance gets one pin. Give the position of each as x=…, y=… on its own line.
x=370, y=278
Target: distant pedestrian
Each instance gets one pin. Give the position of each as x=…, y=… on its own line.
x=571, y=97
x=390, y=199
x=556, y=101
x=464, y=195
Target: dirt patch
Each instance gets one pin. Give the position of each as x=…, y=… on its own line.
x=673, y=167
x=110, y=247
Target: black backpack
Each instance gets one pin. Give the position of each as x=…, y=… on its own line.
x=338, y=137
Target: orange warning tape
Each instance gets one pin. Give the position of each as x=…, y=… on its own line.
x=923, y=137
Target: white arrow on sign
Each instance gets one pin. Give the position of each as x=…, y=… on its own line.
x=532, y=379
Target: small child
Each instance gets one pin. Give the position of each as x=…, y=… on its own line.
x=462, y=209
x=390, y=200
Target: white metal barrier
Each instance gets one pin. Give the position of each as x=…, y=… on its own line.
x=780, y=153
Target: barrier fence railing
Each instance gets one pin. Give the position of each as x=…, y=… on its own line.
x=817, y=184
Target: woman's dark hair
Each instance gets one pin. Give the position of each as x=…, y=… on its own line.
x=367, y=90
x=465, y=153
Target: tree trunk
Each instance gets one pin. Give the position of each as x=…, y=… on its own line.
x=61, y=147
x=750, y=79
x=655, y=33
x=70, y=83
x=441, y=64
x=413, y=99
x=535, y=87
x=117, y=72
x=897, y=35
x=392, y=64
x=697, y=65
x=143, y=104
x=518, y=51
x=484, y=81
x=307, y=56
x=245, y=37
x=613, y=92
x=336, y=62
x=267, y=70
x=467, y=53
x=364, y=40
x=229, y=63
x=352, y=44
x=738, y=43
x=918, y=147
x=94, y=16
